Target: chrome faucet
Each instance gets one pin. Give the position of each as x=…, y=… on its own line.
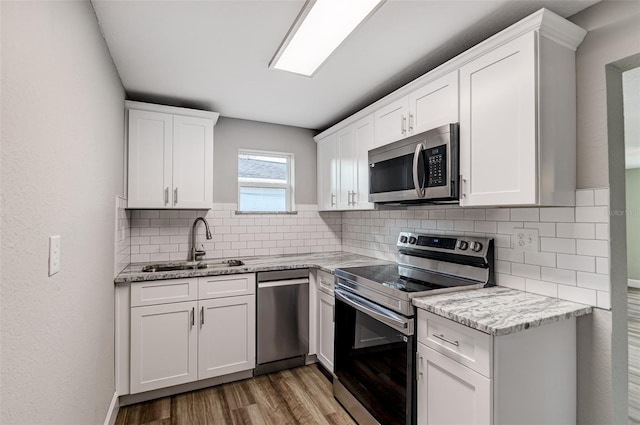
x=194, y=252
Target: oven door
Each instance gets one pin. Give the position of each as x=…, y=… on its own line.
x=374, y=361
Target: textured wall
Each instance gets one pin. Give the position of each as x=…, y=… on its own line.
x=633, y=222
x=62, y=127
x=613, y=34
x=233, y=134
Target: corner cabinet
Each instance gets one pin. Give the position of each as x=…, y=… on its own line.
x=170, y=156
x=465, y=376
x=517, y=118
x=183, y=330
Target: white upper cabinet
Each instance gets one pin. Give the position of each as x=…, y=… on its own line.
x=514, y=96
x=327, y=173
x=434, y=104
x=343, y=167
x=517, y=119
x=170, y=156
x=391, y=122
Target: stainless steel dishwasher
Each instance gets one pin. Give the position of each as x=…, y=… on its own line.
x=282, y=320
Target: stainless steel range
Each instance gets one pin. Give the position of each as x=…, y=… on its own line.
x=375, y=341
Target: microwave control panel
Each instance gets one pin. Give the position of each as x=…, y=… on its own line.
x=437, y=166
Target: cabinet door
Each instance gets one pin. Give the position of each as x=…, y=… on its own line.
x=347, y=169
x=150, y=151
x=391, y=122
x=192, y=162
x=434, y=105
x=164, y=341
x=327, y=172
x=498, y=131
x=450, y=393
x=226, y=343
x=363, y=133
x=326, y=329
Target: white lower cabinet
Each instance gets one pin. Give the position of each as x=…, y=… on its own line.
x=212, y=334
x=326, y=305
x=164, y=346
x=449, y=392
x=324, y=313
x=468, y=377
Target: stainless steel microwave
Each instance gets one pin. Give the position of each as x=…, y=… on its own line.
x=420, y=169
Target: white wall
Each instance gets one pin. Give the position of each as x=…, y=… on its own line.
x=62, y=128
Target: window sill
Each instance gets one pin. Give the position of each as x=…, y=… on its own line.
x=266, y=212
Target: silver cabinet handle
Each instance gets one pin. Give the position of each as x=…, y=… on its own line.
x=202, y=315
x=418, y=366
x=462, y=180
x=166, y=195
x=349, y=198
x=447, y=340
x=411, y=122
x=416, y=183
x=333, y=196
x=193, y=316
x=353, y=198
x=175, y=196
x=404, y=124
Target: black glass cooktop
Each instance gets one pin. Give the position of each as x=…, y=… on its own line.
x=402, y=278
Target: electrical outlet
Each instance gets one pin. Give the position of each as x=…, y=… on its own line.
x=54, y=254
x=526, y=239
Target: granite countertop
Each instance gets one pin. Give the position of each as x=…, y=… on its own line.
x=500, y=311
x=326, y=261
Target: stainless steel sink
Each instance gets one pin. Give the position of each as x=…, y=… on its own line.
x=168, y=267
x=172, y=267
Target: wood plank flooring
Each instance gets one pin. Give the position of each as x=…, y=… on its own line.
x=296, y=396
x=633, y=303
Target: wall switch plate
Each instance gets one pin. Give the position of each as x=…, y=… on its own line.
x=54, y=254
x=526, y=239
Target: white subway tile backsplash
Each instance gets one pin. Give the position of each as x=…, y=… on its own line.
x=547, y=259
x=602, y=265
x=498, y=214
x=542, y=288
x=604, y=300
x=565, y=277
x=592, y=247
x=525, y=270
x=599, y=282
x=510, y=281
x=602, y=231
x=584, y=198
x=486, y=227
x=562, y=245
x=601, y=197
x=506, y=228
x=509, y=254
x=525, y=214
x=576, y=230
x=566, y=215
x=599, y=214
x=474, y=214
x=544, y=229
x=577, y=262
x=578, y=295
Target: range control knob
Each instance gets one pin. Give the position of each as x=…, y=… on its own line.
x=462, y=245
x=412, y=240
x=475, y=246
x=403, y=239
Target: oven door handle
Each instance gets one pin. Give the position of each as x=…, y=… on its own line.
x=385, y=316
x=416, y=180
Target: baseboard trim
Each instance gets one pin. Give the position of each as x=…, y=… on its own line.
x=112, y=413
x=634, y=283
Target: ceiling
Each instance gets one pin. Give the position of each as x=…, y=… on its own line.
x=214, y=55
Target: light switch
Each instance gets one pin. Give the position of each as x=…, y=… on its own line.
x=526, y=239
x=54, y=254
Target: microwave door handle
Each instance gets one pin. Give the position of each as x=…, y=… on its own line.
x=416, y=158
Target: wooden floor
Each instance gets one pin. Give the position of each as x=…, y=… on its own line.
x=634, y=355
x=296, y=396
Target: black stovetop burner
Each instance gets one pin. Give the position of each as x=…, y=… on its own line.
x=395, y=276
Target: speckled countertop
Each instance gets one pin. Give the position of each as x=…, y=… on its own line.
x=500, y=311
x=326, y=261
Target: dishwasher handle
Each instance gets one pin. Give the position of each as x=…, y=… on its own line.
x=288, y=282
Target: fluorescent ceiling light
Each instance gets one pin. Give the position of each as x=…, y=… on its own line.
x=320, y=28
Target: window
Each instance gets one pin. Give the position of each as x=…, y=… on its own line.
x=265, y=181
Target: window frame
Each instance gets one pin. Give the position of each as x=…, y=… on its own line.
x=289, y=186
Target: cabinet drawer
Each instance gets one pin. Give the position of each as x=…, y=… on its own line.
x=163, y=291
x=326, y=282
x=467, y=346
x=226, y=285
